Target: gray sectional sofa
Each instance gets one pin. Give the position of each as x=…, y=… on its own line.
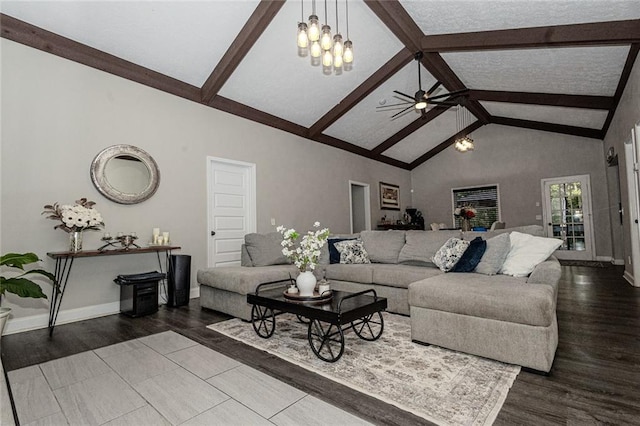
x=502, y=317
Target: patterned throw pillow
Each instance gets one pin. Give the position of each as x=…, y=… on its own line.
x=352, y=251
x=450, y=253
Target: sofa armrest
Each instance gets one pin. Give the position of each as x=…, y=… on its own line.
x=547, y=272
x=245, y=259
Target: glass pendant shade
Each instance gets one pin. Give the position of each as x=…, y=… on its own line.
x=326, y=40
x=327, y=58
x=314, y=28
x=316, y=50
x=338, y=48
x=348, y=52
x=337, y=61
x=303, y=39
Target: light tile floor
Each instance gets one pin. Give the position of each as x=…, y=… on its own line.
x=163, y=379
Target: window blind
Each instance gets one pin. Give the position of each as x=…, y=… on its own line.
x=485, y=199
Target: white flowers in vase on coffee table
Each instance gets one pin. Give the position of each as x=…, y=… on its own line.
x=306, y=253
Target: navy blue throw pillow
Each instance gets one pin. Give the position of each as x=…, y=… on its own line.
x=471, y=256
x=334, y=254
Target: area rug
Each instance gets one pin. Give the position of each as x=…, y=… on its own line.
x=442, y=386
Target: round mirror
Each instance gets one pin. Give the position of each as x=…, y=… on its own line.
x=125, y=174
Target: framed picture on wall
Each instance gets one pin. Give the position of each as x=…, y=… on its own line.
x=389, y=196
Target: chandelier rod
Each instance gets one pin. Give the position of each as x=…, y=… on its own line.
x=337, y=28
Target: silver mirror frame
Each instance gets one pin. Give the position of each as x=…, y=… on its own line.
x=103, y=186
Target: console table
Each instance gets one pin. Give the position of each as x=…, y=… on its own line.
x=64, y=262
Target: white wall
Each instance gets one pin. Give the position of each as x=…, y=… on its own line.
x=57, y=115
x=627, y=115
x=516, y=159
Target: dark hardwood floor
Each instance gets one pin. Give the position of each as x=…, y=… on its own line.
x=595, y=378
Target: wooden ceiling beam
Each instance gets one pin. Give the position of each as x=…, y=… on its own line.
x=589, y=34
x=551, y=99
x=445, y=144
x=396, y=18
x=401, y=59
x=244, y=41
x=622, y=83
x=414, y=126
x=549, y=127
x=46, y=41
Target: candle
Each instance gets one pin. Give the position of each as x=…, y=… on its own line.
x=165, y=237
x=107, y=235
x=160, y=240
x=156, y=232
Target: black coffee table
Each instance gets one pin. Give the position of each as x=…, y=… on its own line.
x=327, y=321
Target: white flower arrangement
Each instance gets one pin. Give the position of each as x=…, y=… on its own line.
x=306, y=254
x=75, y=218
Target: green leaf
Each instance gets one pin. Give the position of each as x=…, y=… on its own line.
x=17, y=260
x=44, y=273
x=21, y=287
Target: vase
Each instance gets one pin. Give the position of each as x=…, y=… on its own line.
x=75, y=241
x=466, y=225
x=4, y=316
x=306, y=283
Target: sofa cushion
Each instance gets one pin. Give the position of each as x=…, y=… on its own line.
x=497, y=250
x=421, y=246
x=471, y=256
x=383, y=246
x=244, y=280
x=526, y=252
x=450, y=253
x=499, y=297
x=265, y=249
x=352, y=252
x=354, y=273
x=401, y=275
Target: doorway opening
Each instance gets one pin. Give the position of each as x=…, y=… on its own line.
x=359, y=206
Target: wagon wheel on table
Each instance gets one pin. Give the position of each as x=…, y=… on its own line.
x=370, y=327
x=263, y=321
x=326, y=340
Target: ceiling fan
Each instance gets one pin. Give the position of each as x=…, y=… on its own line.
x=421, y=99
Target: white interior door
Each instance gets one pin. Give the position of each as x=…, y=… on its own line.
x=360, y=206
x=567, y=214
x=232, y=209
x=632, y=160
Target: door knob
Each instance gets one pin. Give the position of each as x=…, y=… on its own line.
x=213, y=233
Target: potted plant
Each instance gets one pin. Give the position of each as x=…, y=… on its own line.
x=18, y=284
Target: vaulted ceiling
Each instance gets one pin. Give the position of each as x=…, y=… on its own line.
x=551, y=65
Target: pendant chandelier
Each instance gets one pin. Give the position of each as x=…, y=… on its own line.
x=464, y=143
x=334, y=54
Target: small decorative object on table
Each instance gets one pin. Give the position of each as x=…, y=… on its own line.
x=74, y=219
x=125, y=240
x=305, y=255
x=465, y=213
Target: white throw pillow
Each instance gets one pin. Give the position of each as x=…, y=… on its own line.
x=526, y=252
x=450, y=253
x=352, y=251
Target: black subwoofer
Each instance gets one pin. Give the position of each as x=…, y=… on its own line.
x=179, y=280
x=139, y=293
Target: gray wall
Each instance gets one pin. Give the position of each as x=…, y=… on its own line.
x=57, y=115
x=515, y=159
x=627, y=115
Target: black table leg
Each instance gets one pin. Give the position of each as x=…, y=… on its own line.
x=62, y=272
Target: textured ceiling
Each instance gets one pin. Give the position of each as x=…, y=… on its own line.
x=555, y=66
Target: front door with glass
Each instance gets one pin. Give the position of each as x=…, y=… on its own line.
x=568, y=215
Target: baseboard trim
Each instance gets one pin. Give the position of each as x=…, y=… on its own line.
x=604, y=259
x=627, y=276
x=34, y=322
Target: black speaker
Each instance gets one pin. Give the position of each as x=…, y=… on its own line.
x=179, y=280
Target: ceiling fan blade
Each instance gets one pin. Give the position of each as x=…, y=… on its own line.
x=394, y=105
x=433, y=88
x=403, y=94
x=398, y=113
x=402, y=114
x=457, y=92
x=447, y=102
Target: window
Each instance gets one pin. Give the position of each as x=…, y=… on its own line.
x=486, y=201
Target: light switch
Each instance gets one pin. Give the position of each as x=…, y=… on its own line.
x=537, y=203
x=538, y=217
x=273, y=221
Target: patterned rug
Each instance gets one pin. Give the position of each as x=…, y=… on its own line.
x=442, y=386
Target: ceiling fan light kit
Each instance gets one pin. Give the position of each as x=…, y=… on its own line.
x=330, y=51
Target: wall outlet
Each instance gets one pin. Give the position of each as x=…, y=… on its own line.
x=537, y=203
x=538, y=217
x=273, y=221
